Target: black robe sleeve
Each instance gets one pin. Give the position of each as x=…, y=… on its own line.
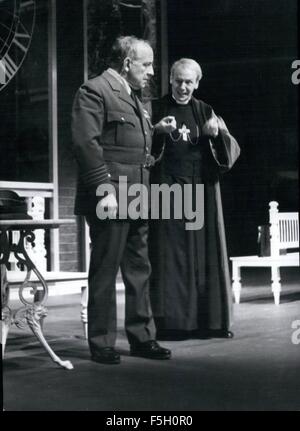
x=224, y=148
x=158, y=141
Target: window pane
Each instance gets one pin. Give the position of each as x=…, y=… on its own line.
x=24, y=107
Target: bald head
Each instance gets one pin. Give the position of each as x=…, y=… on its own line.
x=184, y=78
x=187, y=63
x=126, y=47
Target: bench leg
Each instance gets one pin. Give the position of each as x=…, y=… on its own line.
x=276, y=285
x=84, y=304
x=236, y=285
x=7, y=320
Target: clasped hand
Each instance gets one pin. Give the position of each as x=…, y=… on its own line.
x=166, y=125
x=211, y=127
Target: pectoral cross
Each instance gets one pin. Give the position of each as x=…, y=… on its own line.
x=184, y=132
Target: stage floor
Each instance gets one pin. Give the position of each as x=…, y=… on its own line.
x=256, y=370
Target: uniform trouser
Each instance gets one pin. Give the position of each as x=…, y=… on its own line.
x=114, y=244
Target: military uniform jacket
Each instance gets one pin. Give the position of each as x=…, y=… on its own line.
x=111, y=134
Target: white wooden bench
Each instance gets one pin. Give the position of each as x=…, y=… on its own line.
x=284, y=235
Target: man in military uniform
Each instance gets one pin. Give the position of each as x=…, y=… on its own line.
x=112, y=137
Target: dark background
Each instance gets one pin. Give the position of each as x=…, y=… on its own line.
x=246, y=49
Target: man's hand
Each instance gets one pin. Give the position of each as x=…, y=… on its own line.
x=211, y=127
x=109, y=205
x=166, y=125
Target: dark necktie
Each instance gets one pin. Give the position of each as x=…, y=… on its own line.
x=135, y=95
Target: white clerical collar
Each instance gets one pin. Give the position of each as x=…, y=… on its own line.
x=120, y=78
x=180, y=103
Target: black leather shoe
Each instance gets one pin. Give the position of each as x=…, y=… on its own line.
x=220, y=333
x=107, y=355
x=150, y=349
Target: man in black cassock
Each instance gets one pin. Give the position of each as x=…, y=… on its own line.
x=190, y=285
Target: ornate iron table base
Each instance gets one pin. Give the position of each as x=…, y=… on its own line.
x=32, y=313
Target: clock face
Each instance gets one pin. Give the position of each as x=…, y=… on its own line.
x=17, y=19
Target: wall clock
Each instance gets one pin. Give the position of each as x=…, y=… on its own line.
x=17, y=18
